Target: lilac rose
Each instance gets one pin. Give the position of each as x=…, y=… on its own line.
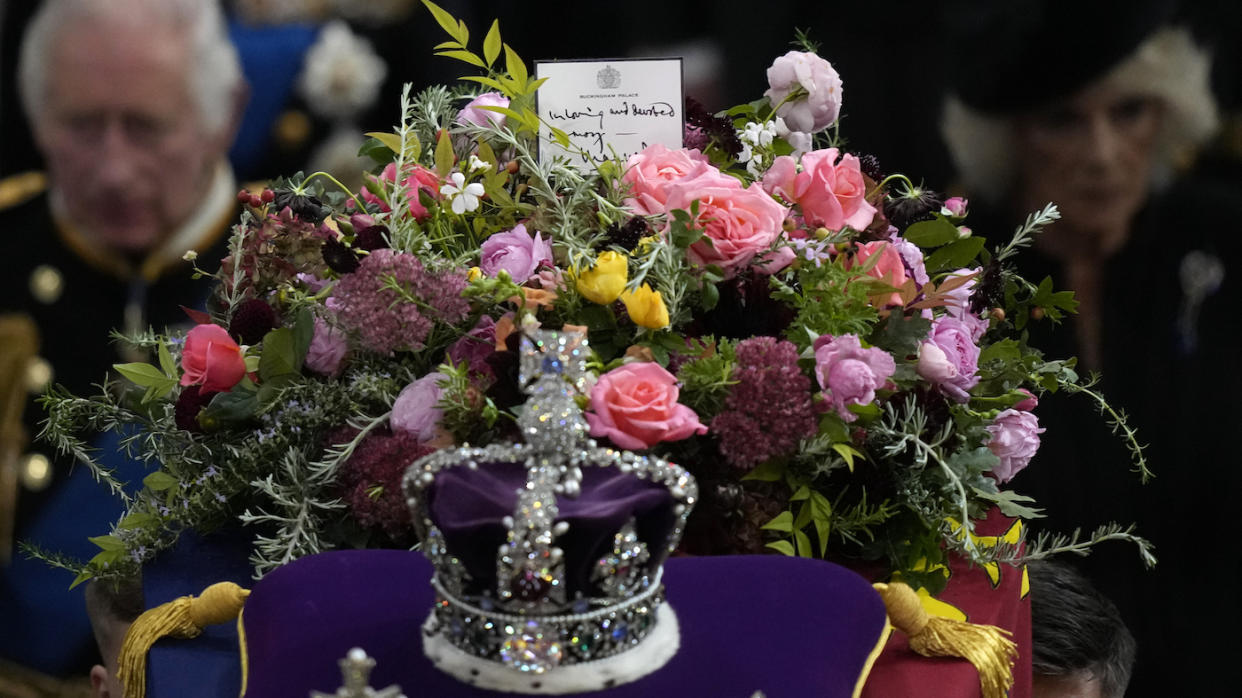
x=820, y=106
x=850, y=374
x=472, y=114
x=950, y=358
x=516, y=252
x=415, y=411
x=1015, y=439
x=327, y=349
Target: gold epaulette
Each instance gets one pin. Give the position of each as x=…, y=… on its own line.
x=19, y=188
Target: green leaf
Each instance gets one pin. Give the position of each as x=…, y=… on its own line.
x=783, y=547
x=490, y=82
x=804, y=544
x=486, y=154
x=492, y=43
x=279, y=356
x=803, y=518
x=847, y=453
x=444, y=155
x=142, y=374
x=933, y=233
x=446, y=21
x=303, y=333
x=1011, y=503
x=769, y=471
x=107, y=542
x=710, y=295
x=821, y=516
x=226, y=409
x=954, y=255
x=446, y=44
x=376, y=151
x=465, y=56
x=392, y=140
x=558, y=135
x=782, y=522
x=515, y=67
x=868, y=411
x=166, y=362
x=159, y=481
x=803, y=492
x=900, y=335
x=137, y=519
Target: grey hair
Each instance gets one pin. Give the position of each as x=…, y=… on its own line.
x=215, y=73
x=1168, y=66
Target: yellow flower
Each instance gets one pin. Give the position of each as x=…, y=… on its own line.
x=604, y=282
x=474, y=274
x=646, y=307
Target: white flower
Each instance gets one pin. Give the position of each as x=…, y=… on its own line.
x=746, y=153
x=465, y=197
x=190, y=255
x=476, y=164
x=758, y=134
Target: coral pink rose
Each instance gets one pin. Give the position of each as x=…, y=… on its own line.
x=211, y=359
x=417, y=177
x=635, y=406
x=740, y=223
x=1014, y=439
x=831, y=193
x=850, y=374
x=889, y=268
x=653, y=170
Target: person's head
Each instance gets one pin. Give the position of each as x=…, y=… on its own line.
x=1080, y=647
x=1097, y=150
x=133, y=104
x=111, y=607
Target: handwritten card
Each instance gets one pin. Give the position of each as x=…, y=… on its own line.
x=609, y=107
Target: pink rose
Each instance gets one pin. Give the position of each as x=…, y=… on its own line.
x=652, y=171
x=954, y=206
x=327, y=349
x=516, y=252
x=1015, y=439
x=417, y=177
x=635, y=406
x=850, y=374
x=950, y=358
x=739, y=222
x=821, y=105
x=415, y=411
x=890, y=268
x=957, y=304
x=830, y=193
x=1030, y=403
x=472, y=114
x=211, y=359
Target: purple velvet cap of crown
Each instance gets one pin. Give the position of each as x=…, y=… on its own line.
x=468, y=504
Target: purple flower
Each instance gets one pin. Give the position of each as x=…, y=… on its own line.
x=415, y=411
x=957, y=304
x=475, y=346
x=1015, y=439
x=950, y=358
x=327, y=349
x=820, y=106
x=472, y=114
x=850, y=374
x=769, y=410
x=911, y=256
x=516, y=252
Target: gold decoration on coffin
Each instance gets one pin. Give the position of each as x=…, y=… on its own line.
x=19, y=346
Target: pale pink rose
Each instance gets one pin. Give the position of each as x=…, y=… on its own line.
x=781, y=178
x=417, y=177
x=651, y=171
x=1015, y=439
x=472, y=114
x=950, y=358
x=327, y=349
x=516, y=252
x=850, y=374
x=416, y=411
x=635, y=406
x=890, y=268
x=739, y=222
x=822, y=104
x=211, y=359
x=954, y=206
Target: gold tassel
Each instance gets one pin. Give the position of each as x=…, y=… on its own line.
x=985, y=646
x=183, y=617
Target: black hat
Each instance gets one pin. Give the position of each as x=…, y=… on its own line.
x=1014, y=55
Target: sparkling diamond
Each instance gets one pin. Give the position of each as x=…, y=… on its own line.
x=527, y=649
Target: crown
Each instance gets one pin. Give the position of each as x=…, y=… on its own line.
x=608, y=78
x=548, y=553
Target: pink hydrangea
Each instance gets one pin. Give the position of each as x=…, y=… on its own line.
x=821, y=105
x=1014, y=439
x=950, y=358
x=516, y=252
x=850, y=374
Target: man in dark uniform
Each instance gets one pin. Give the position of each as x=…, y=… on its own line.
x=134, y=105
